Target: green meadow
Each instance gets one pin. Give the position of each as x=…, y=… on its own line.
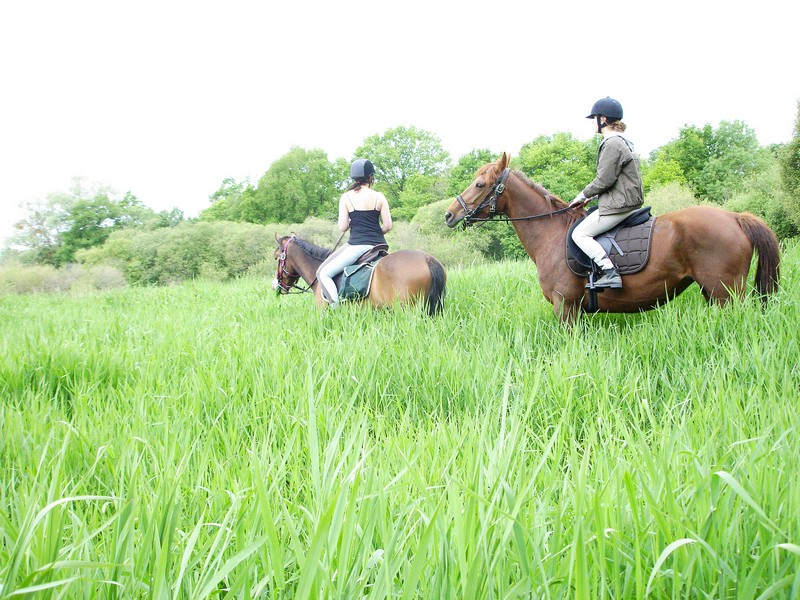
x=215, y=440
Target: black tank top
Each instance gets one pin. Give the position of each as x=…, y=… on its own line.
x=365, y=228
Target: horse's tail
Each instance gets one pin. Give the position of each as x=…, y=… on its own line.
x=437, y=290
x=765, y=242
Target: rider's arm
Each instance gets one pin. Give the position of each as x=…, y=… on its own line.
x=344, y=215
x=386, y=215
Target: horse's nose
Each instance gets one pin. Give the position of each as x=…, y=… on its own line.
x=448, y=216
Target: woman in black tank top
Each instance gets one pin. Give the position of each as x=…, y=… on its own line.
x=366, y=214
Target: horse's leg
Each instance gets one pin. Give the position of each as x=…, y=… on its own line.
x=724, y=278
x=567, y=310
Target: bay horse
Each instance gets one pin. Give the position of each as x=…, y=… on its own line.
x=405, y=276
x=703, y=244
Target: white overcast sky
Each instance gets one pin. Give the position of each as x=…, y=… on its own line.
x=165, y=99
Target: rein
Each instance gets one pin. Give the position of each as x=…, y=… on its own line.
x=490, y=200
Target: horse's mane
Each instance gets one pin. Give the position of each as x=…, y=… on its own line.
x=557, y=203
x=312, y=250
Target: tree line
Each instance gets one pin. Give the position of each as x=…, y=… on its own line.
x=90, y=225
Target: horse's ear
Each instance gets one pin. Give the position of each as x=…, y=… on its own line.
x=277, y=239
x=504, y=160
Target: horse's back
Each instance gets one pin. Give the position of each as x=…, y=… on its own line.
x=708, y=229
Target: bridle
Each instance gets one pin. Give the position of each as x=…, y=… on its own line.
x=288, y=281
x=490, y=200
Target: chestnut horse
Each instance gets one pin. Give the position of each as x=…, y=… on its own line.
x=702, y=244
x=405, y=276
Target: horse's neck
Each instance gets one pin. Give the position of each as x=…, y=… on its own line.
x=306, y=265
x=538, y=236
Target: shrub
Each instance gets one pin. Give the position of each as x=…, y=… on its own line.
x=670, y=197
x=764, y=197
x=16, y=278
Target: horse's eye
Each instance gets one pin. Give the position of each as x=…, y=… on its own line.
x=479, y=184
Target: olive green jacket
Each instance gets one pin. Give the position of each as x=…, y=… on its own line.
x=618, y=182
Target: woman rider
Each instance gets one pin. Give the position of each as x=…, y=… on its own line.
x=365, y=213
x=618, y=185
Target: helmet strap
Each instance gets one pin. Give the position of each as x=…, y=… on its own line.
x=600, y=124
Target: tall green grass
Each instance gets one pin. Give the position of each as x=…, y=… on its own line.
x=214, y=439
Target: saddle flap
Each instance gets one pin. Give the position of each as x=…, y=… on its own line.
x=355, y=280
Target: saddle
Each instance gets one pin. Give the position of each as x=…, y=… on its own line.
x=354, y=282
x=627, y=245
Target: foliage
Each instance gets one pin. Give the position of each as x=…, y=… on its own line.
x=419, y=191
x=669, y=197
x=452, y=250
x=660, y=173
x=300, y=184
x=400, y=154
x=764, y=197
x=16, y=278
x=714, y=162
x=560, y=163
x=231, y=202
x=214, y=440
x=789, y=160
x=463, y=172
x=67, y=222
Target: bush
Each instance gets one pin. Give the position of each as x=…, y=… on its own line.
x=764, y=197
x=670, y=197
x=16, y=278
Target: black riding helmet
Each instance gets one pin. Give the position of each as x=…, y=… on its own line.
x=606, y=107
x=361, y=169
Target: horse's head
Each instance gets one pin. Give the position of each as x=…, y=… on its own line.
x=286, y=276
x=480, y=199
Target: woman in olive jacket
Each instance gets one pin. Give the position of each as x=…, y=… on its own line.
x=618, y=186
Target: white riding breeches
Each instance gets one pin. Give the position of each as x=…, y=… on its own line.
x=335, y=264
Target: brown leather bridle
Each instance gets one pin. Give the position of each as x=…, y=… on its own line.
x=288, y=281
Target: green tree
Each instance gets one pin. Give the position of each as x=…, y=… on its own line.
x=463, y=172
x=561, y=163
x=300, y=184
x=84, y=217
x=660, y=173
x=420, y=190
x=714, y=162
x=228, y=200
x=789, y=159
x=401, y=154
x=38, y=233
x=90, y=222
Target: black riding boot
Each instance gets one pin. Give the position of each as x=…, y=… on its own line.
x=609, y=278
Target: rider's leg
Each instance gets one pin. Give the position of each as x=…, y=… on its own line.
x=335, y=264
x=595, y=224
x=583, y=235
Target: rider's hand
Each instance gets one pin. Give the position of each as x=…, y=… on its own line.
x=579, y=201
